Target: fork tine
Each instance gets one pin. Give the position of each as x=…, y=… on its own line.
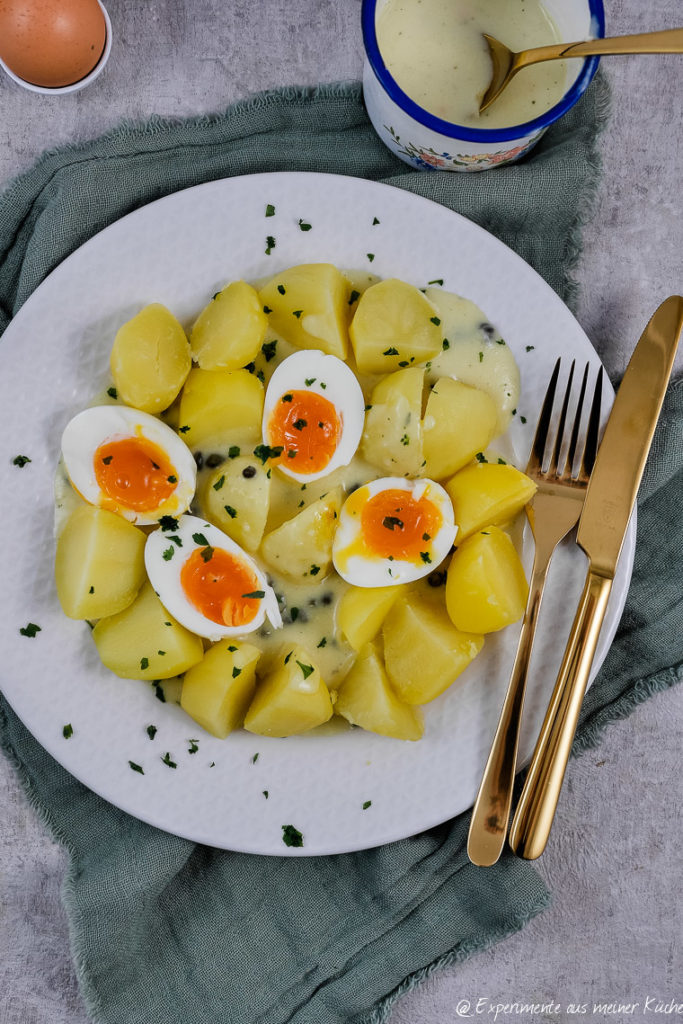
x=592, y=433
x=571, y=454
x=553, y=467
x=543, y=425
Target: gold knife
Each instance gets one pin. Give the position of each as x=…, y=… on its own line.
x=606, y=512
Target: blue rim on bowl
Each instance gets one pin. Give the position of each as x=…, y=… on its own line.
x=455, y=131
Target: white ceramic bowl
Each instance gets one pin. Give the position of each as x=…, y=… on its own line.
x=428, y=142
x=82, y=82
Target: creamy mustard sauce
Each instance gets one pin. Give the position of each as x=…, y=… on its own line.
x=435, y=51
x=309, y=607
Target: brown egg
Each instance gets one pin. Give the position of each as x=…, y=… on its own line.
x=51, y=43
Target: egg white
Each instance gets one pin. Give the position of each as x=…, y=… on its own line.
x=91, y=428
x=164, y=575
x=332, y=379
x=373, y=570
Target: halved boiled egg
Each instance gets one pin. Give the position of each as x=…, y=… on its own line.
x=129, y=462
x=206, y=581
x=393, y=530
x=314, y=411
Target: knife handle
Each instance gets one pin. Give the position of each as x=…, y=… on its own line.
x=536, y=809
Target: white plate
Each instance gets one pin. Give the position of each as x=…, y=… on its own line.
x=54, y=355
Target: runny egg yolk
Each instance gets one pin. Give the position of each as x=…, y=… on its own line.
x=134, y=472
x=308, y=428
x=220, y=586
x=395, y=524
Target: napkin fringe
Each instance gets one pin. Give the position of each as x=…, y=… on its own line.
x=591, y=733
x=382, y=1011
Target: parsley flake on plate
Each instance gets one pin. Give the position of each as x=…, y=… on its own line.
x=20, y=461
x=68, y=731
x=291, y=836
x=167, y=760
x=136, y=767
x=31, y=629
x=151, y=731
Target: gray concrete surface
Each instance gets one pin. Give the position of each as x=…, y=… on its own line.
x=614, y=861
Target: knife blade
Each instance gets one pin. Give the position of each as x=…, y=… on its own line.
x=604, y=519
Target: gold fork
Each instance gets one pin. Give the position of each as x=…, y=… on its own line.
x=552, y=512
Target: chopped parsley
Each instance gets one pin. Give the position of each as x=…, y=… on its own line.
x=426, y=557
x=255, y=758
x=481, y=357
x=31, y=629
x=323, y=642
x=268, y=348
x=288, y=656
x=367, y=803
x=167, y=554
x=92, y=590
x=136, y=767
x=265, y=452
x=199, y=538
x=233, y=451
x=267, y=309
x=193, y=747
x=112, y=392
x=281, y=288
x=236, y=672
x=232, y=512
x=297, y=313
x=314, y=570
x=151, y=731
x=219, y=483
x=176, y=540
x=437, y=280
x=392, y=522
x=374, y=221
x=167, y=760
x=270, y=244
x=529, y=348
x=370, y=256
x=307, y=670
x=353, y=297
x=144, y=663
x=68, y=731
x=501, y=462
x=207, y=553
x=405, y=439
x=445, y=344
x=183, y=430
x=434, y=320
x=294, y=614
x=20, y=460
x=426, y=536
x=292, y=453
x=291, y=836
x=162, y=653
x=107, y=459
x=390, y=351
x=232, y=648
x=287, y=398
x=480, y=457
x=168, y=523
x=159, y=691
x=309, y=381
x=265, y=793
x=304, y=225
x=270, y=210
x=404, y=362
x=299, y=424
x=522, y=419
x=258, y=595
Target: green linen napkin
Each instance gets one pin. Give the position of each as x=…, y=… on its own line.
x=164, y=931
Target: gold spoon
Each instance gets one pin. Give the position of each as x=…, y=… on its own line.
x=506, y=63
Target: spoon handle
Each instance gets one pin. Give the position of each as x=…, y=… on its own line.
x=668, y=41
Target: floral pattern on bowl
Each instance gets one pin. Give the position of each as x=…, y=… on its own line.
x=427, y=159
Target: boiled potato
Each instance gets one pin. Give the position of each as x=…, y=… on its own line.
x=236, y=499
x=475, y=353
x=392, y=438
x=459, y=421
x=366, y=699
x=486, y=588
x=423, y=651
x=394, y=325
x=150, y=359
x=291, y=699
x=219, y=407
x=302, y=547
x=145, y=642
x=229, y=332
x=309, y=306
x=218, y=691
x=361, y=612
x=99, y=566
x=487, y=494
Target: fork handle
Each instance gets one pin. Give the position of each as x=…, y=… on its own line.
x=491, y=812
x=536, y=809
x=668, y=41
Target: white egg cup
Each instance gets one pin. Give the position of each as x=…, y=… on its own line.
x=82, y=82
x=430, y=143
